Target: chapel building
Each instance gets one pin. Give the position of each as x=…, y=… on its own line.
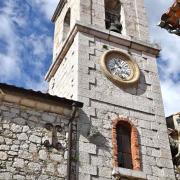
x=103, y=116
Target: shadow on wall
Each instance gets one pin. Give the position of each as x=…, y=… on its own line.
x=138, y=89
x=90, y=132
x=22, y=134
x=90, y=136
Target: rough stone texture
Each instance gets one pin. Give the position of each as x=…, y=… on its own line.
x=67, y=74
x=22, y=154
x=92, y=12
x=103, y=101
x=79, y=77
x=59, y=28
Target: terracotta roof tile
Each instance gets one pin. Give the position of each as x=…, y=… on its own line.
x=171, y=19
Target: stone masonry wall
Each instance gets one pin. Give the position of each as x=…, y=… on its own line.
x=64, y=83
x=134, y=18
x=22, y=153
x=58, y=33
x=103, y=101
x=92, y=12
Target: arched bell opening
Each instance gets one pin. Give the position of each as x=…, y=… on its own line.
x=66, y=26
x=113, y=15
x=125, y=144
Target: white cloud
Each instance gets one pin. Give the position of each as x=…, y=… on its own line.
x=170, y=45
x=41, y=45
x=13, y=58
x=9, y=67
x=45, y=6
x=9, y=61
x=171, y=97
x=39, y=85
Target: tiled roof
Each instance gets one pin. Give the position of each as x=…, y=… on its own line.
x=39, y=94
x=171, y=19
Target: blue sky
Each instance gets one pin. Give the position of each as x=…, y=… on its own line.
x=26, y=36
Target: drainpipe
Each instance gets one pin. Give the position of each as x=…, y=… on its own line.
x=74, y=109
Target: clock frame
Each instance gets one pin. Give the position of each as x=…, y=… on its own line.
x=135, y=72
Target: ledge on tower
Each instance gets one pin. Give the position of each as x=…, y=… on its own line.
x=58, y=10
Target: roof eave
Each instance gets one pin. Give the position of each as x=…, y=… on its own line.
x=29, y=93
x=58, y=10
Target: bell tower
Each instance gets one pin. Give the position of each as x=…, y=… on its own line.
x=102, y=57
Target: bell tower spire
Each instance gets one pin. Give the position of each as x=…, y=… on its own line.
x=102, y=58
x=126, y=18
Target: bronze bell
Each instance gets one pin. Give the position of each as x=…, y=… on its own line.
x=116, y=27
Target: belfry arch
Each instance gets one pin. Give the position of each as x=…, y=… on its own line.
x=113, y=9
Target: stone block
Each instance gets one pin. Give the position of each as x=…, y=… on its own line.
x=12, y=153
x=19, y=177
x=50, y=168
x=128, y=173
x=84, y=176
x=20, y=121
x=35, y=139
x=56, y=157
x=5, y=126
x=8, y=141
x=105, y=172
x=157, y=171
x=149, y=160
x=164, y=163
x=87, y=147
x=169, y=173
x=48, y=118
x=25, y=155
x=150, y=177
x=22, y=137
x=5, y=176
x=88, y=169
x=33, y=118
x=62, y=170
x=144, y=124
x=34, y=167
x=1, y=139
x=4, y=147
x=84, y=157
x=165, y=153
x=147, y=169
x=16, y=128
x=32, y=148
x=101, y=161
x=3, y=155
x=43, y=155
x=18, y=163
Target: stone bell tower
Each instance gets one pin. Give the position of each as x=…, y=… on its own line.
x=102, y=58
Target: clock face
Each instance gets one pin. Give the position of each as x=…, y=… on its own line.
x=119, y=68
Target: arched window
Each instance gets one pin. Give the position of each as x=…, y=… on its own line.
x=125, y=144
x=66, y=27
x=113, y=15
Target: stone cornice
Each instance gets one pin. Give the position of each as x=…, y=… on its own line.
x=58, y=10
x=126, y=41
x=36, y=100
x=128, y=173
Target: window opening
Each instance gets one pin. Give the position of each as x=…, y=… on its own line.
x=66, y=24
x=124, y=146
x=113, y=15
